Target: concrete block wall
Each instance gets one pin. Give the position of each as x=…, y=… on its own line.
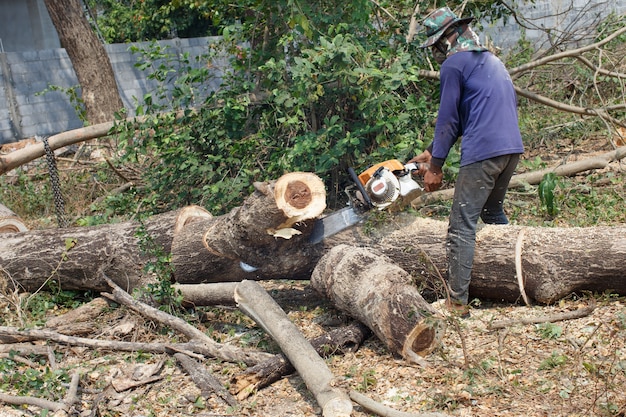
x=580, y=16
x=26, y=111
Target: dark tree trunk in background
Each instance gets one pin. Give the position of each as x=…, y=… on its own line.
x=89, y=59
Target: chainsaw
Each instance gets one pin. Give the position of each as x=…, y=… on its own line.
x=380, y=187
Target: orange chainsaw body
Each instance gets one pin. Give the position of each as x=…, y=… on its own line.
x=391, y=164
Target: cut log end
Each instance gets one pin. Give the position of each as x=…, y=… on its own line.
x=300, y=196
x=190, y=214
x=10, y=222
x=424, y=338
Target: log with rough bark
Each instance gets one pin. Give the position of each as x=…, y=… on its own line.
x=74, y=258
x=265, y=238
x=375, y=291
x=554, y=262
x=253, y=300
x=204, y=248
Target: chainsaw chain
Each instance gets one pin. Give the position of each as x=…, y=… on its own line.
x=59, y=202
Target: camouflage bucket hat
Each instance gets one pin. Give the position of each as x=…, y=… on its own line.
x=438, y=21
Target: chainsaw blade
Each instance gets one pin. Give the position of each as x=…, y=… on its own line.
x=334, y=223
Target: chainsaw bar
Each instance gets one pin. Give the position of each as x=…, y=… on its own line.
x=334, y=223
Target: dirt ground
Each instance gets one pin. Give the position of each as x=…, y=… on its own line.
x=565, y=368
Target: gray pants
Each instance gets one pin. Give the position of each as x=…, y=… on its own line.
x=479, y=193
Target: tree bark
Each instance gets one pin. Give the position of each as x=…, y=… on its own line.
x=265, y=238
x=554, y=261
x=74, y=258
x=89, y=59
x=373, y=290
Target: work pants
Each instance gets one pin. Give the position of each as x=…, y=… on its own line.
x=479, y=193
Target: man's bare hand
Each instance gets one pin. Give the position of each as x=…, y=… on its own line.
x=433, y=178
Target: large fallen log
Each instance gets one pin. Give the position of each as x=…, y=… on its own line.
x=554, y=262
x=378, y=293
x=73, y=258
x=265, y=238
x=203, y=247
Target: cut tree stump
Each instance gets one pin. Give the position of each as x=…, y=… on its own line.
x=378, y=293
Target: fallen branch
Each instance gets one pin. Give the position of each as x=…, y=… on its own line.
x=535, y=177
x=253, y=300
x=70, y=399
x=337, y=341
x=551, y=318
x=204, y=380
x=384, y=411
x=217, y=350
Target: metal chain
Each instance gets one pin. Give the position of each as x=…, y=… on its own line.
x=59, y=203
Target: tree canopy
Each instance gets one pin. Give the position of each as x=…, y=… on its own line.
x=311, y=86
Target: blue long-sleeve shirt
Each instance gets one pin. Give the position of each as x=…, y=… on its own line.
x=477, y=103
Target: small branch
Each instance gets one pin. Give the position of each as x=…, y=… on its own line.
x=551, y=318
x=71, y=398
x=225, y=352
x=384, y=411
x=566, y=54
x=204, y=379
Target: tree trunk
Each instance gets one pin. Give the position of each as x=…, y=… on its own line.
x=254, y=241
x=75, y=258
x=553, y=262
x=373, y=290
x=89, y=59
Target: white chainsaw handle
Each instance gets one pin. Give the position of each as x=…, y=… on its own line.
x=415, y=167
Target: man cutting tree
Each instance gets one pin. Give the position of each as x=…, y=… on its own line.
x=479, y=105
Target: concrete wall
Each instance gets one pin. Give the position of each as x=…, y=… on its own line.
x=578, y=17
x=26, y=112
x=26, y=26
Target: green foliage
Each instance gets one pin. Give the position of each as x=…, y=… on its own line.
x=335, y=105
x=555, y=360
x=45, y=383
x=546, y=193
x=162, y=291
x=130, y=21
x=549, y=330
